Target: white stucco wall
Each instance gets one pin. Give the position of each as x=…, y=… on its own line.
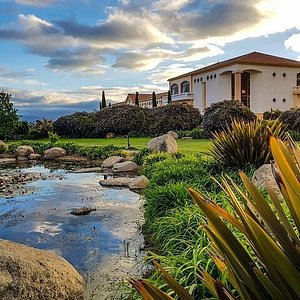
x=179, y=81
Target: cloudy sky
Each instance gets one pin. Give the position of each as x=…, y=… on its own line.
x=56, y=56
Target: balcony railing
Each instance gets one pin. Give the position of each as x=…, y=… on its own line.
x=296, y=90
x=179, y=97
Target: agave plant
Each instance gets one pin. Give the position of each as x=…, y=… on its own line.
x=266, y=263
x=244, y=143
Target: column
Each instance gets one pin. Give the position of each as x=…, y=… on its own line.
x=237, y=85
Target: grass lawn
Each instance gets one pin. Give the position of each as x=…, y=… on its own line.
x=185, y=146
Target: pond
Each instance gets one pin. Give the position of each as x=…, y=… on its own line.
x=103, y=246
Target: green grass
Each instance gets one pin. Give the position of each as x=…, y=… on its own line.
x=185, y=146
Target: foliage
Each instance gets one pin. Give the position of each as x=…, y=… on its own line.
x=136, y=102
x=253, y=272
x=169, y=97
x=295, y=135
x=40, y=128
x=121, y=119
x=220, y=115
x=174, y=117
x=9, y=118
x=154, y=103
x=291, y=118
x=103, y=101
x=3, y=147
x=53, y=137
x=196, y=133
x=272, y=115
x=77, y=125
x=245, y=143
x=140, y=155
x=22, y=129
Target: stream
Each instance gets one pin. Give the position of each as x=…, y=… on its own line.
x=105, y=246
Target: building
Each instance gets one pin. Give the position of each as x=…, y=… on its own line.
x=145, y=100
x=260, y=81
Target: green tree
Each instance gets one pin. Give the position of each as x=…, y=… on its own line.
x=154, y=103
x=169, y=96
x=136, y=99
x=8, y=116
x=103, y=102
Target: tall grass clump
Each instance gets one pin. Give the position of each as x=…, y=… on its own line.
x=245, y=143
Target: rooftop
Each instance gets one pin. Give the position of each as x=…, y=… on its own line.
x=253, y=58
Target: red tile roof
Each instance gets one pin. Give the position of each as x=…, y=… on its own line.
x=253, y=58
x=146, y=97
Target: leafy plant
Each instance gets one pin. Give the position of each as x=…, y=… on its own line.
x=265, y=263
x=272, y=115
x=220, y=115
x=291, y=118
x=140, y=156
x=245, y=143
x=53, y=137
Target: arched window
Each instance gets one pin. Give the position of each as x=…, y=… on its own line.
x=185, y=87
x=298, y=79
x=174, y=89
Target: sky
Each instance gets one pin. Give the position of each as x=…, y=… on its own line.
x=57, y=56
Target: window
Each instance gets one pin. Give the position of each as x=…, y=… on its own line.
x=185, y=87
x=274, y=74
x=284, y=74
x=211, y=77
x=207, y=77
x=174, y=89
x=215, y=76
x=195, y=80
x=274, y=99
x=298, y=79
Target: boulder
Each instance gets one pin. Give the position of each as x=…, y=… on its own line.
x=82, y=211
x=116, y=182
x=89, y=170
x=28, y=273
x=24, y=151
x=163, y=143
x=126, y=166
x=139, y=183
x=187, y=138
x=73, y=159
x=110, y=135
x=264, y=175
x=54, y=153
x=111, y=161
x=173, y=134
x=7, y=161
x=22, y=158
x=34, y=156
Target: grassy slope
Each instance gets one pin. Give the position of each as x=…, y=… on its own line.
x=186, y=146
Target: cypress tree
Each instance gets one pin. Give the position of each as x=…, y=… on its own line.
x=154, y=103
x=103, y=102
x=136, y=99
x=100, y=105
x=169, y=96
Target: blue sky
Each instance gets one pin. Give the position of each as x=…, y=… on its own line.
x=56, y=56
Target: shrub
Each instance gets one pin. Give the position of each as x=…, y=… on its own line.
x=3, y=147
x=173, y=117
x=53, y=137
x=77, y=125
x=121, y=120
x=140, y=156
x=220, y=115
x=291, y=118
x=245, y=143
x=272, y=115
x=40, y=128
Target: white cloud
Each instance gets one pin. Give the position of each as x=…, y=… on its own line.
x=293, y=42
x=35, y=2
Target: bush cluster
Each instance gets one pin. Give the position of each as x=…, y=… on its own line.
x=291, y=118
x=220, y=115
x=272, y=115
x=126, y=119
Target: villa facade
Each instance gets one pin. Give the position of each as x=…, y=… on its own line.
x=260, y=81
x=145, y=100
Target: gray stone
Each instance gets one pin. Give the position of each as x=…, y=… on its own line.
x=163, y=143
x=72, y=158
x=116, y=182
x=24, y=151
x=109, y=162
x=89, y=170
x=54, y=153
x=34, y=156
x=187, y=138
x=126, y=166
x=173, y=134
x=22, y=158
x=264, y=175
x=139, y=183
x=6, y=161
x=110, y=135
x=28, y=273
x=82, y=211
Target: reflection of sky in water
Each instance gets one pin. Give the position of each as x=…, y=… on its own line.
x=43, y=219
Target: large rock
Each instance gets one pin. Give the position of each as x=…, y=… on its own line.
x=30, y=274
x=111, y=161
x=110, y=135
x=173, y=134
x=126, y=166
x=54, y=153
x=116, y=182
x=264, y=175
x=7, y=161
x=163, y=143
x=24, y=151
x=139, y=183
x=34, y=156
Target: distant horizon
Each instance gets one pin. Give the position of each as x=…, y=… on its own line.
x=56, y=57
